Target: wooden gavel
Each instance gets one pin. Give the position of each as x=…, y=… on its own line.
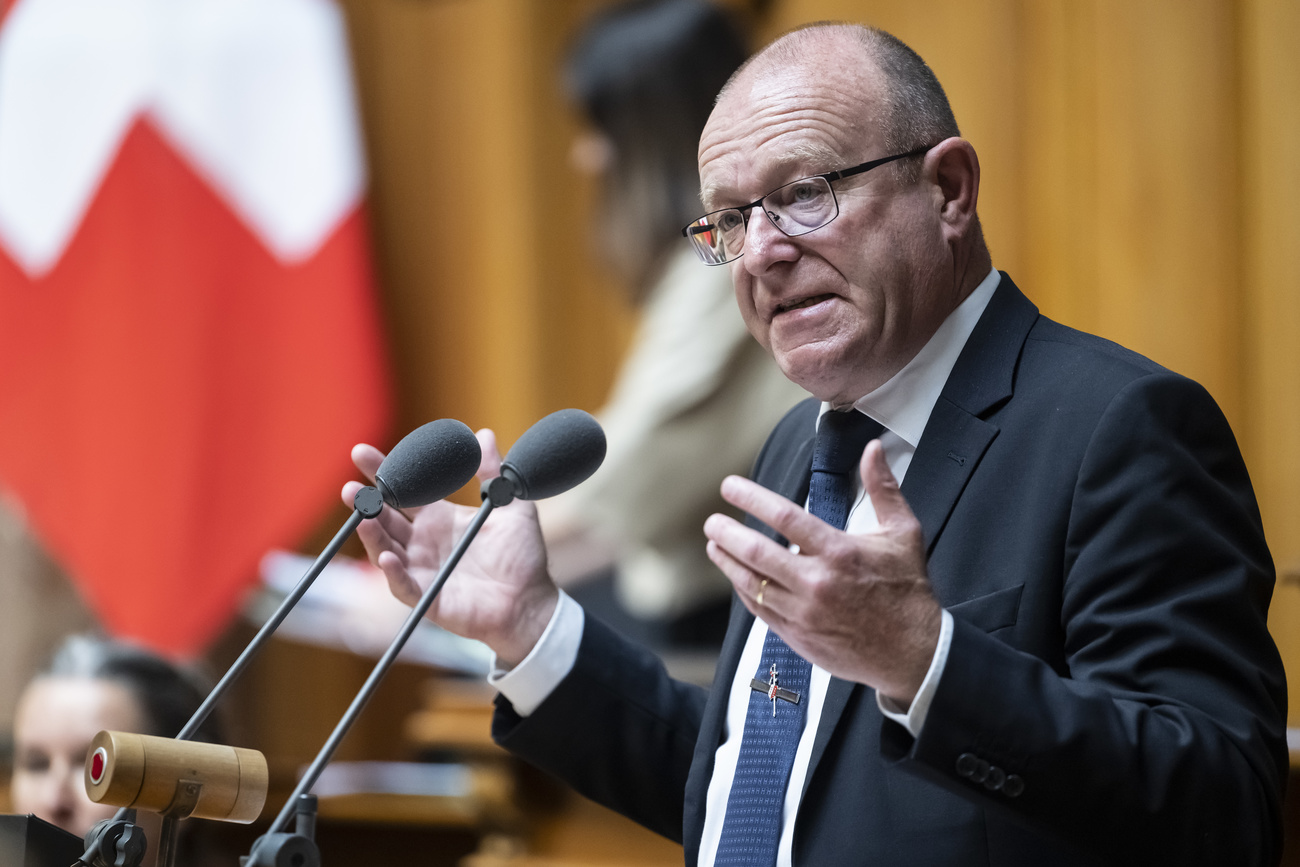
x=176, y=778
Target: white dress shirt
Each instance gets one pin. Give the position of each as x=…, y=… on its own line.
x=903, y=405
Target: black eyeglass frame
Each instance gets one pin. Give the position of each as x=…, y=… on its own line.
x=694, y=228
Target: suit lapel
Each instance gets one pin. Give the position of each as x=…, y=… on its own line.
x=956, y=435
x=954, y=442
x=951, y=449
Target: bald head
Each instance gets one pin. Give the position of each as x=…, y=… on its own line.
x=906, y=103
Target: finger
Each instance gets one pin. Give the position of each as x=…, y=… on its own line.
x=750, y=586
x=350, y=492
x=394, y=521
x=400, y=583
x=490, y=467
x=746, y=582
x=391, y=531
x=750, y=549
x=879, y=483
x=367, y=459
x=399, y=523
x=807, y=531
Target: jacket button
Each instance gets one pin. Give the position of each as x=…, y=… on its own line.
x=995, y=779
x=981, y=771
x=967, y=764
x=1013, y=786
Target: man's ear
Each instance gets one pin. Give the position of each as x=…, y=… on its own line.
x=954, y=169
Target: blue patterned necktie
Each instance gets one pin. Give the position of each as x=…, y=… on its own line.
x=751, y=828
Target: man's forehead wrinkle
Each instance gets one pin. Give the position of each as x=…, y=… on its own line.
x=837, y=105
x=801, y=139
x=813, y=115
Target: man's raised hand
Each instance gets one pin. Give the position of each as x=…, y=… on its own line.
x=858, y=605
x=500, y=593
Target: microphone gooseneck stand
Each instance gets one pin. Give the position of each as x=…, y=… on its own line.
x=555, y=454
x=266, y=851
x=428, y=464
x=119, y=842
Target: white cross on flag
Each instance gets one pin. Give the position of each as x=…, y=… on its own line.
x=189, y=333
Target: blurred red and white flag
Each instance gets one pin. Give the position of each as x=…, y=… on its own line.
x=189, y=333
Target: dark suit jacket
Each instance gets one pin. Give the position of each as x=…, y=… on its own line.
x=1091, y=527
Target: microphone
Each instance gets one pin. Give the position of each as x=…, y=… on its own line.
x=558, y=453
x=430, y=462
x=554, y=455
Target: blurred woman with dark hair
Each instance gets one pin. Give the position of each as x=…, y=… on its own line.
x=645, y=76
x=695, y=395
x=92, y=684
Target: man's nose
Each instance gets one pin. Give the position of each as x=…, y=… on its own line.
x=765, y=244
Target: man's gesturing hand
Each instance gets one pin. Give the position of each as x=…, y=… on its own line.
x=860, y=606
x=500, y=593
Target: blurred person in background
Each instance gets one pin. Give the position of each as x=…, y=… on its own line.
x=90, y=685
x=695, y=395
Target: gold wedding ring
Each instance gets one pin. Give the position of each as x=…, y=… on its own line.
x=762, y=585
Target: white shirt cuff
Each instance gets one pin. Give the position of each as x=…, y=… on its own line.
x=914, y=718
x=529, y=683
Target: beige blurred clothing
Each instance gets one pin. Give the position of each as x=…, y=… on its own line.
x=694, y=401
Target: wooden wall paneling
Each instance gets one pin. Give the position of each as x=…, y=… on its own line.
x=556, y=328
x=496, y=311
x=499, y=340
x=406, y=55
x=1059, y=162
x=1166, y=179
x=581, y=316
x=976, y=51
x=1270, y=142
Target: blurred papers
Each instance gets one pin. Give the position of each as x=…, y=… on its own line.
x=349, y=607
x=394, y=778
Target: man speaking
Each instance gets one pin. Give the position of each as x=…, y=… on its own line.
x=1002, y=599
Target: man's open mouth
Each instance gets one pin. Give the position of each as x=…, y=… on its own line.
x=801, y=303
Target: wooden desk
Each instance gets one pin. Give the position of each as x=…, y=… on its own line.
x=553, y=826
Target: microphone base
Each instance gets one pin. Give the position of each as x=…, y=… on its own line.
x=116, y=842
x=283, y=850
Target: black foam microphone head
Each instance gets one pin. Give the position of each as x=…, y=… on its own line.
x=430, y=462
x=556, y=454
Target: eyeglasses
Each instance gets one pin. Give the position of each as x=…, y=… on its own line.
x=797, y=208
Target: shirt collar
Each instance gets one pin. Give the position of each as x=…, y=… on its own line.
x=903, y=403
